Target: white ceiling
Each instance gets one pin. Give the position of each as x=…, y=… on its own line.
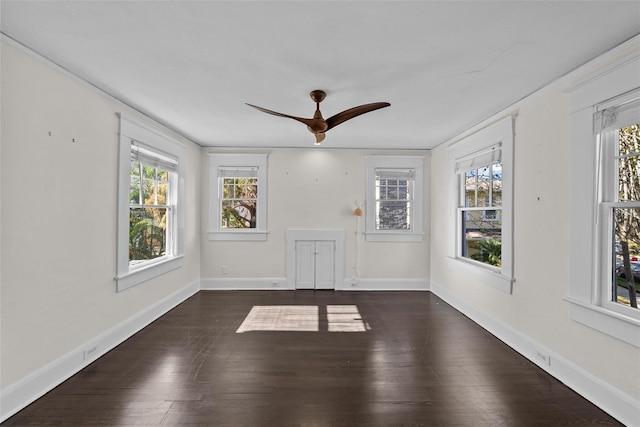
x=443, y=65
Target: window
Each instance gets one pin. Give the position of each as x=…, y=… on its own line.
x=149, y=204
x=480, y=208
x=618, y=143
x=394, y=198
x=482, y=215
x=151, y=211
x=238, y=188
x=605, y=209
x=239, y=197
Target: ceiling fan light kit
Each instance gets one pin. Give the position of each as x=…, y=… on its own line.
x=318, y=125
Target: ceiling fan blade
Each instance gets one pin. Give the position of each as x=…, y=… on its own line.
x=308, y=122
x=354, y=112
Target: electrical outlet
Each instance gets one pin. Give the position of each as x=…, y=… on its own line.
x=90, y=352
x=274, y=284
x=225, y=269
x=543, y=357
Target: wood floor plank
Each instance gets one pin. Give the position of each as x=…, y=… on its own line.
x=415, y=362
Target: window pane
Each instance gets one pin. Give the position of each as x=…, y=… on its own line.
x=629, y=163
x=393, y=204
x=239, y=203
x=393, y=215
x=134, y=190
x=626, y=250
x=147, y=233
x=135, y=168
x=148, y=192
x=470, y=188
x=482, y=234
x=483, y=187
x=496, y=182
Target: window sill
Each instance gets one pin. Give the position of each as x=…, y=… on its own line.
x=392, y=236
x=486, y=274
x=147, y=272
x=240, y=235
x=614, y=324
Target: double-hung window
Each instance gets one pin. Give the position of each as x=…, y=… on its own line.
x=394, y=198
x=480, y=206
x=237, y=192
x=481, y=214
x=605, y=204
x=152, y=208
x=617, y=130
x=151, y=168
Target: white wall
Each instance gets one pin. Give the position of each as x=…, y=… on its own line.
x=535, y=316
x=59, y=218
x=315, y=188
x=58, y=230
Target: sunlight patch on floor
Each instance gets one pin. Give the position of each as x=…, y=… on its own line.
x=302, y=318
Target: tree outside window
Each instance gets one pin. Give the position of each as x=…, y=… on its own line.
x=239, y=202
x=626, y=218
x=149, y=210
x=481, y=214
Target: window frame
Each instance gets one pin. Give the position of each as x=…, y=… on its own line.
x=218, y=161
x=464, y=211
x=172, y=182
x=607, y=201
x=615, y=82
x=127, y=275
x=480, y=149
x=415, y=234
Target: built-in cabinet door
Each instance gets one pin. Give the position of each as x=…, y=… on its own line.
x=325, y=258
x=305, y=264
x=315, y=264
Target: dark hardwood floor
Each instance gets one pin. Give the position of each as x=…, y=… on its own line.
x=411, y=360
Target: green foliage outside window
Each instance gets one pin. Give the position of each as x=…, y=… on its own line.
x=239, y=202
x=148, y=212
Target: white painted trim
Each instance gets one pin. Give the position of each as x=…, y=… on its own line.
x=610, y=399
x=218, y=160
x=488, y=274
x=244, y=284
x=148, y=272
x=499, y=132
x=20, y=394
x=293, y=235
x=384, y=285
x=588, y=232
x=410, y=162
x=606, y=321
x=132, y=130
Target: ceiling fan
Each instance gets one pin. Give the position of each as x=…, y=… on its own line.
x=318, y=125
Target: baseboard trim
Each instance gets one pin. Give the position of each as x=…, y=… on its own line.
x=610, y=399
x=22, y=393
x=384, y=285
x=281, y=283
x=244, y=284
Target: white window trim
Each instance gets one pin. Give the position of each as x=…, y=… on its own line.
x=585, y=270
x=499, y=134
x=128, y=276
x=395, y=162
x=216, y=161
